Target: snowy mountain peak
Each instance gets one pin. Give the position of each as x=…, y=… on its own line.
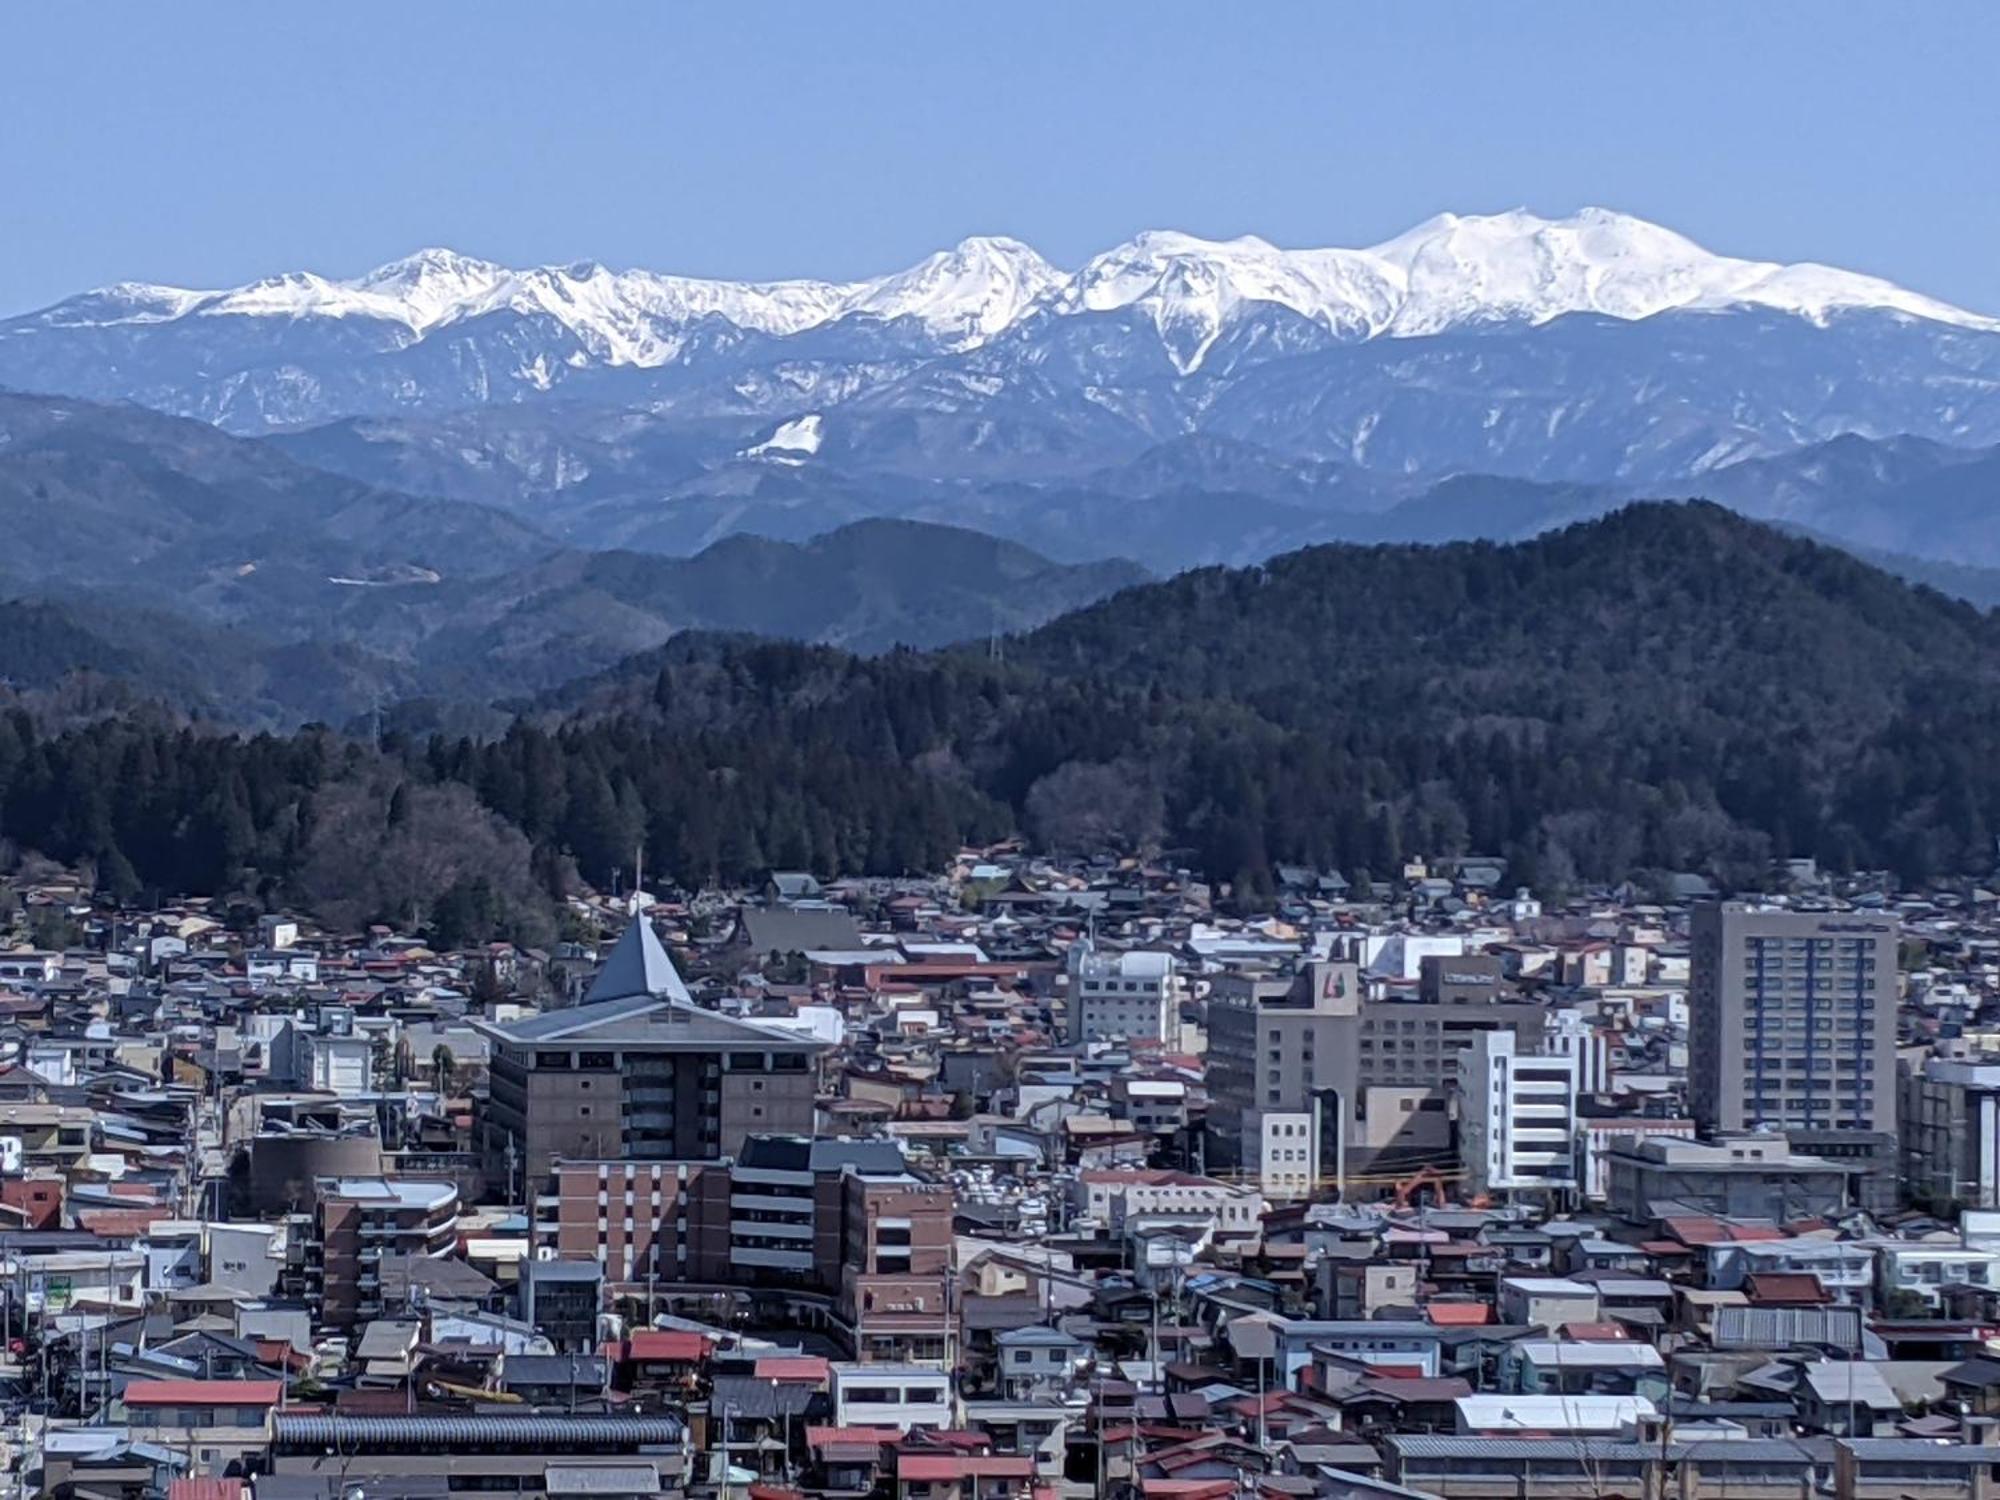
x=1452, y=271
x=429, y=287
x=1192, y=288
x=430, y=264
x=1518, y=266
x=1456, y=271
x=965, y=295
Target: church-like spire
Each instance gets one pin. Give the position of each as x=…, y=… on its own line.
x=638, y=965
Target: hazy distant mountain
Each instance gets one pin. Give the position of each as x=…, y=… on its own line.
x=238, y=581
x=866, y=587
x=173, y=511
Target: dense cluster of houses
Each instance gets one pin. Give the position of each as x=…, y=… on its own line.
x=1026, y=1181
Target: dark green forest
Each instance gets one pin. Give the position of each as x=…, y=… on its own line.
x=1668, y=688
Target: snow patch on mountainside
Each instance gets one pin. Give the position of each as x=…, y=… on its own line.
x=793, y=442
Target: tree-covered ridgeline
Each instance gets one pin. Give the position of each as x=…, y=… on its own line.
x=1671, y=688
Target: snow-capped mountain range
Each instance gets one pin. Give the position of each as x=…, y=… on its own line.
x=1447, y=273
x=1594, y=348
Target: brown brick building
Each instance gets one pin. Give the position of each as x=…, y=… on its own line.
x=357, y=1221
x=840, y=1221
x=639, y=1073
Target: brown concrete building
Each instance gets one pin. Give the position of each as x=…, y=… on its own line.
x=842, y=1222
x=1285, y=1048
x=895, y=1268
x=637, y=1072
x=668, y=1221
x=358, y=1220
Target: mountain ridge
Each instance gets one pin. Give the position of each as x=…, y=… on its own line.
x=1449, y=271
x=439, y=329
x=250, y=586
x=1671, y=688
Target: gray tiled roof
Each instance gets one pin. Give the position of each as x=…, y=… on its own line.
x=646, y=1021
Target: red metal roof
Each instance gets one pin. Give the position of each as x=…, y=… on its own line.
x=792, y=1367
x=1459, y=1314
x=121, y=1221
x=661, y=1343
x=1706, y=1231
x=964, y=1466
x=820, y=1437
x=1768, y=1288
x=203, y=1392
x=204, y=1488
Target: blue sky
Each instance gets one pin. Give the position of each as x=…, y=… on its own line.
x=211, y=144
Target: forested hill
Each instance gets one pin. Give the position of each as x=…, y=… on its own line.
x=1668, y=688
x=1651, y=612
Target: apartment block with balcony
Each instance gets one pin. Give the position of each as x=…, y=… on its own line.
x=894, y=1287
x=839, y=1220
x=896, y=1397
x=642, y=1221
x=1518, y=1129
x=358, y=1220
x=1793, y=1028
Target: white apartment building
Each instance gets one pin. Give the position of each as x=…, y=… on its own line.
x=1571, y=1034
x=341, y=1064
x=1112, y=1197
x=895, y=1396
x=1924, y=1270
x=1286, y=1154
x=1519, y=1127
x=1122, y=996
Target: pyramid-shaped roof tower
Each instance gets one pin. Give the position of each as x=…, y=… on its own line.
x=638, y=965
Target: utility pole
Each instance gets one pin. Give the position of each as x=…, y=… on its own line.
x=1159, y=1378
x=1263, y=1425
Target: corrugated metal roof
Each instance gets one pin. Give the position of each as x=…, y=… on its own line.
x=317, y=1430
x=1549, y=1354
x=1918, y=1450
x=205, y=1489
x=1845, y=1382
x=551, y=1369
x=1787, y=1327
x=602, y=1479
x=1424, y=1446
x=1741, y=1450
